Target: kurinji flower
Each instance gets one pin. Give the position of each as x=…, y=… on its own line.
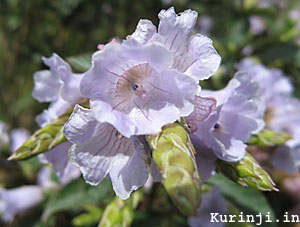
x=257, y=24
x=233, y=114
x=15, y=201
x=99, y=150
x=212, y=202
x=148, y=80
x=272, y=82
x=4, y=138
x=282, y=113
x=58, y=85
x=58, y=157
x=18, y=136
x=18, y=200
x=283, y=116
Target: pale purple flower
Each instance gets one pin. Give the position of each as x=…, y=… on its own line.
x=18, y=200
x=192, y=55
x=257, y=24
x=59, y=86
x=58, y=157
x=17, y=137
x=4, y=137
x=283, y=116
x=205, y=24
x=100, y=150
x=282, y=112
x=148, y=80
x=272, y=82
x=233, y=117
x=212, y=202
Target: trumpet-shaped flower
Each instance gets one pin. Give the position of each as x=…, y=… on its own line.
x=18, y=200
x=234, y=113
x=58, y=85
x=17, y=137
x=58, y=157
x=212, y=202
x=193, y=55
x=4, y=137
x=272, y=82
x=99, y=150
x=148, y=80
x=283, y=116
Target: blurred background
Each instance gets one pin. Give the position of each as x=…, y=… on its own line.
x=267, y=29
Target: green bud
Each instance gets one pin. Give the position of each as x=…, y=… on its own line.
x=121, y=212
x=43, y=140
x=268, y=138
x=247, y=172
x=173, y=154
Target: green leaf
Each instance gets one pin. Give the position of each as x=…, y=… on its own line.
x=43, y=140
x=269, y=138
x=247, y=172
x=76, y=195
x=248, y=200
x=91, y=217
x=173, y=154
x=81, y=63
x=121, y=212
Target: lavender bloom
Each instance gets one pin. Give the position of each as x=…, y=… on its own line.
x=272, y=82
x=18, y=200
x=205, y=24
x=59, y=86
x=148, y=80
x=58, y=157
x=212, y=202
x=18, y=137
x=257, y=25
x=283, y=116
x=233, y=116
x=99, y=150
x=282, y=112
x=4, y=138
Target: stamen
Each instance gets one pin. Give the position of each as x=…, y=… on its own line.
x=134, y=87
x=217, y=126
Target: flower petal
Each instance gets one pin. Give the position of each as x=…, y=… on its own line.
x=18, y=200
x=203, y=60
x=105, y=152
x=144, y=31
x=58, y=157
x=56, y=109
x=174, y=30
x=46, y=86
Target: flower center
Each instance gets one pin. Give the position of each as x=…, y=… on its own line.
x=130, y=86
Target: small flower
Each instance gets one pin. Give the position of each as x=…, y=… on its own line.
x=17, y=137
x=235, y=114
x=18, y=200
x=193, y=55
x=4, y=137
x=100, y=150
x=257, y=25
x=272, y=82
x=58, y=85
x=147, y=81
x=212, y=202
x=58, y=157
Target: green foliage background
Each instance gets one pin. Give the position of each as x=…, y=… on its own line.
x=35, y=28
